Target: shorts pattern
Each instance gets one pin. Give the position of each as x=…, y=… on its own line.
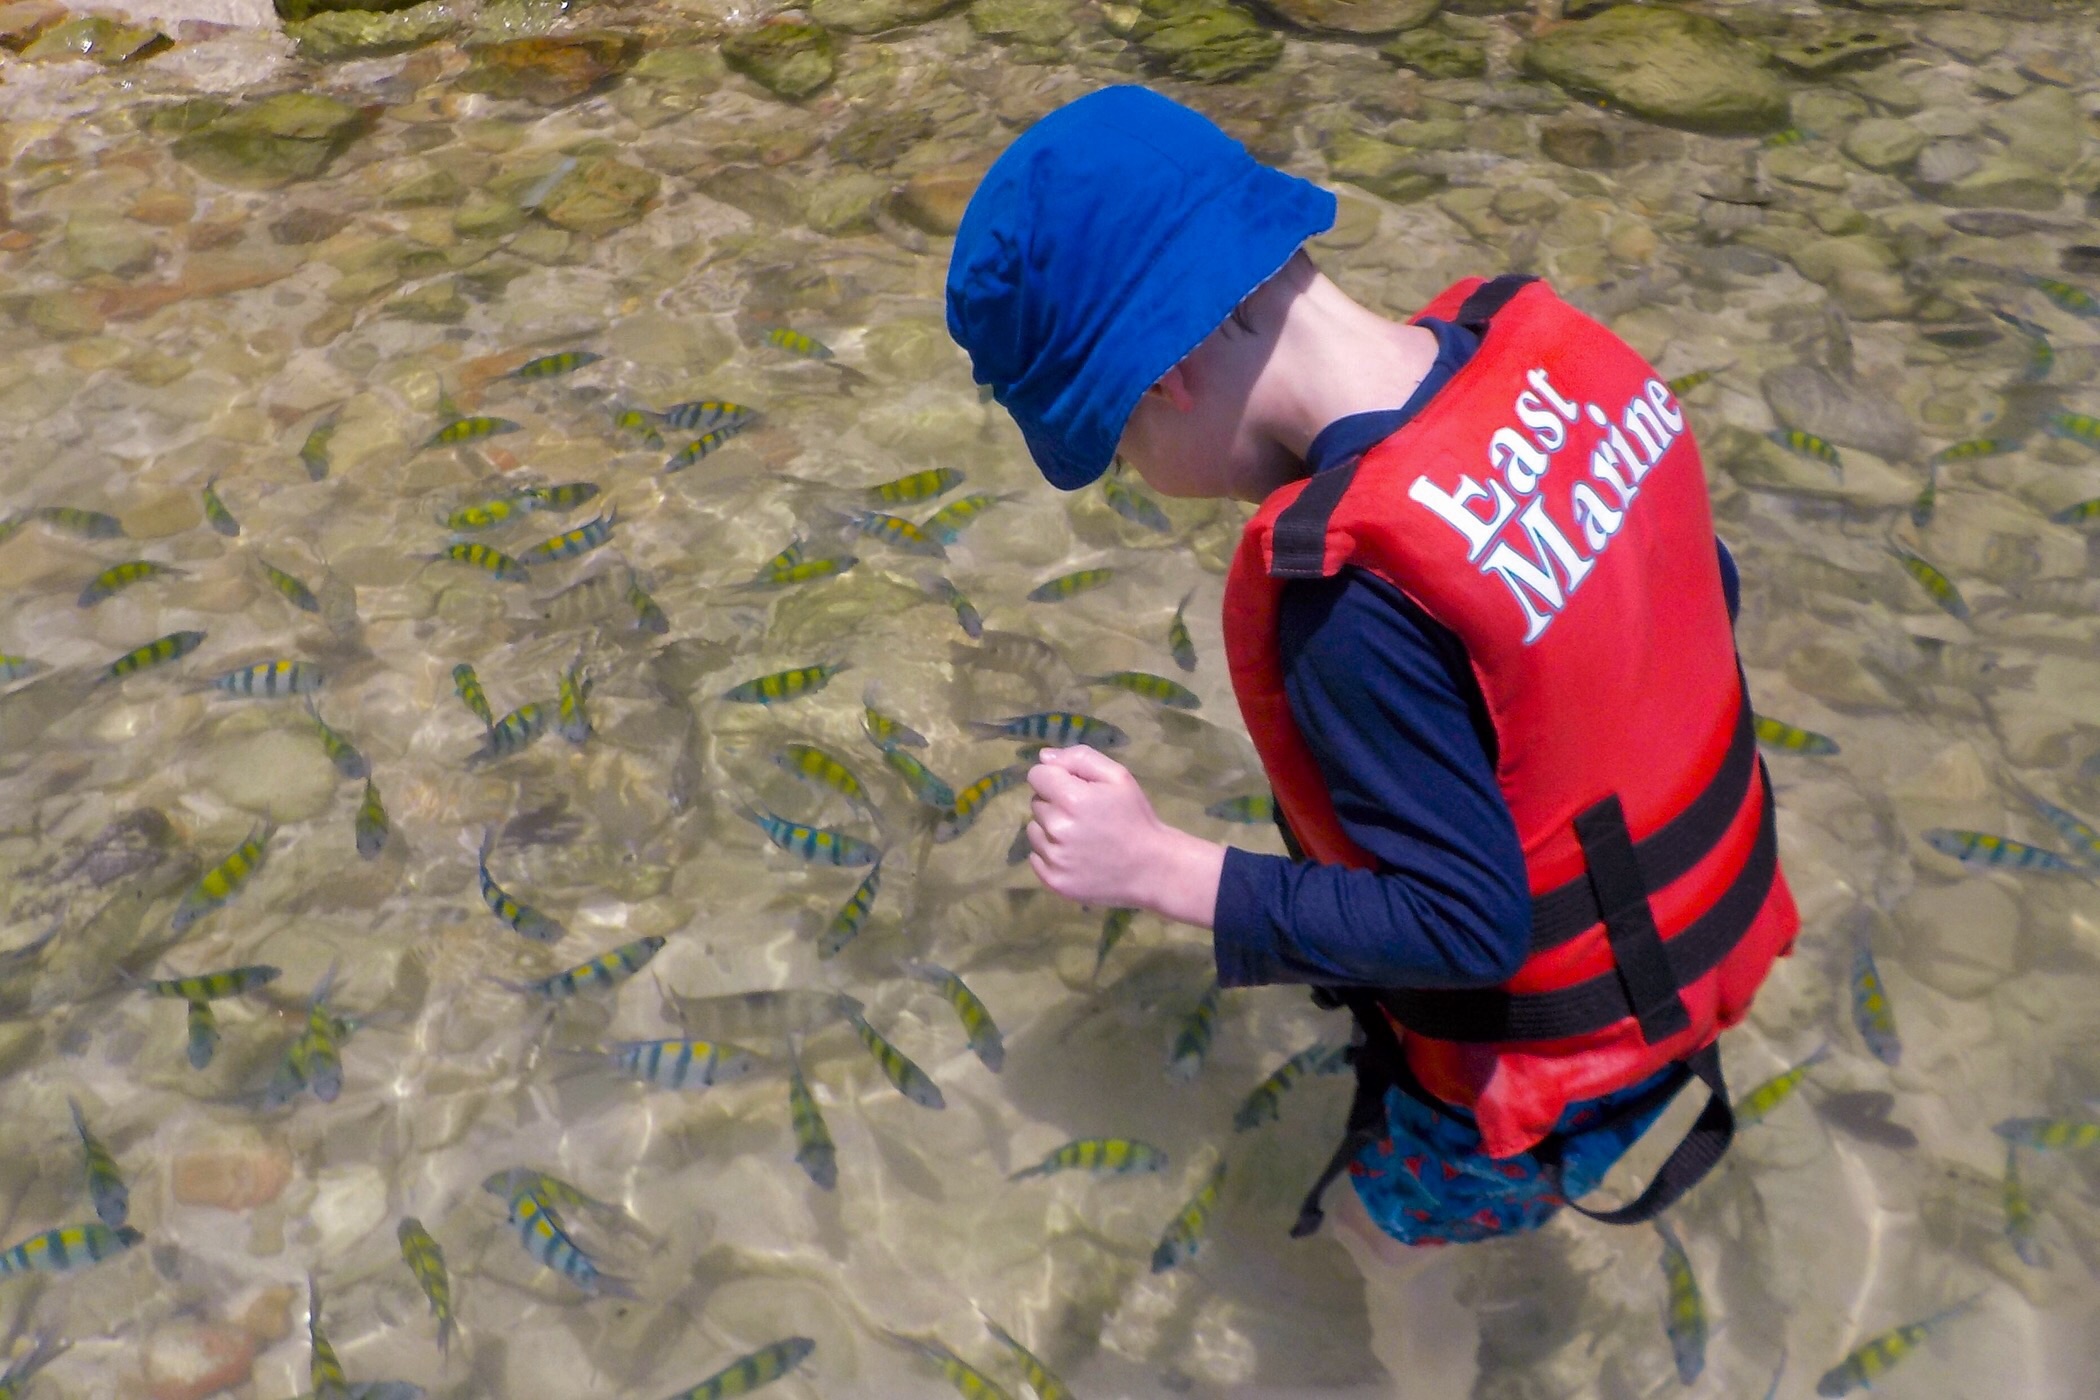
x=1427, y=1181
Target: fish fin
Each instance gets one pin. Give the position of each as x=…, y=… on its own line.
x=985, y=729
x=850, y=1007
x=613, y=1286
x=79, y=1118
x=1026, y=1172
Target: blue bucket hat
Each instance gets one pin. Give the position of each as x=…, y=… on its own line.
x=1100, y=249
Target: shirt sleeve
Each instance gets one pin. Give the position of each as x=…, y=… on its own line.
x=1388, y=704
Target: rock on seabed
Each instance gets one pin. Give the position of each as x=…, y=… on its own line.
x=876, y=16
x=786, y=57
x=1354, y=16
x=292, y=136
x=551, y=69
x=1664, y=65
x=1203, y=42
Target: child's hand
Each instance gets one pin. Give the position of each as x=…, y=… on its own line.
x=1095, y=839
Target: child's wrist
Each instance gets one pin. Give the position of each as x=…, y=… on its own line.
x=1185, y=886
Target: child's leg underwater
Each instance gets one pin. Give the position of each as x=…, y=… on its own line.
x=1428, y=1341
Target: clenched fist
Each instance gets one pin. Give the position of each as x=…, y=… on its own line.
x=1095, y=839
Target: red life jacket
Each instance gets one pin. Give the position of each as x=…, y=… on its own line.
x=1549, y=507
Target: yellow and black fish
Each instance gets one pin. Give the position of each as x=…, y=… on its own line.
x=223, y=881
x=473, y=429
x=1070, y=585
x=426, y=1261
x=215, y=512
x=157, y=652
x=118, y=576
x=295, y=592
x=791, y=684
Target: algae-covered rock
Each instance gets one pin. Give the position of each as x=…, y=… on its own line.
x=598, y=195
x=292, y=136
x=482, y=215
x=1203, y=41
x=1379, y=166
x=1436, y=53
x=429, y=188
x=100, y=244
x=786, y=57
x=934, y=200
x=22, y=20
x=1354, y=16
x=1035, y=23
x=105, y=40
x=875, y=16
x=844, y=202
x=1835, y=50
x=2043, y=127
x=2003, y=182
x=550, y=69
x=292, y=11
x=335, y=34
x=877, y=138
x=1664, y=65
x=1883, y=143
x=434, y=303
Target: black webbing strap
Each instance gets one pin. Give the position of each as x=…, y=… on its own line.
x=1298, y=542
x=1636, y=945
x=1702, y=1147
x=1666, y=853
x=1379, y=1065
x=1486, y=1015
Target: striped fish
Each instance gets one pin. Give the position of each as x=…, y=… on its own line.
x=1871, y=1011
x=213, y=986
x=970, y=801
x=1184, y=1237
x=823, y=768
x=705, y=415
x=16, y=668
x=106, y=584
x=1685, y=383
x=943, y=590
x=924, y=785
x=845, y=926
x=1070, y=585
x=67, y=1248
x=349, y=763
x=2041, y=355
x=819, y=844
x=324, y=1368
x=883, y=729
x=1265, y=1103
x=1192, y=1042
x=752, y=1371
x=2074, y=427
x=2020, y=1224
x=1115, y=926
x=800, y=571
x=2078, y=513
x=88, y=524
x=917, y=486
x=572, y=689
x=553, y=1190
x=157, y=652
x=293, y=591
x=485, y=514
x=2075, y=831
x=426, y=1261
x=1810, y=446
x=106, y=1186
x=1056, y=728
x=1252, y=809
x=1973, y=449
x=1159, y=689
x=640, y=422
x=2053, y=1134
x=703, y=446
x=203, y=1033
x=895, y=530
x=1986, y=852
x=224, y=880
x=791, y=684
x=1684, y=1317
x=681, y=1063
x=271, y=679
x=526, y=920
x=795, y=342
x=545, y=1238
x=1938, y=585
x=43, y=1350
x=491, y=561
x=647, y=615
x=513, y=732
x=571, y=543
x=907, y=1078
x=948, y=523
x=215, y=512
x=2064, y=296
x=559, y=363
x=1874, y=1358
x=1045, y=1385
x=1103, y=1156
x=316, y=1057
x=608, y=969
x=985, y=1040
x=467, y=686
x=1928, y=498
x=473, y=429
x=815, y=1153
x=969, y=1382
x=313, y=452
x=1753, y=1106
x=565, y=496
x=1134, y=505
x=1778, y=734
x=371, y=825
x=1179, y=643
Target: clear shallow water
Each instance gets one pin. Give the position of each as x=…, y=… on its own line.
x=170, y=329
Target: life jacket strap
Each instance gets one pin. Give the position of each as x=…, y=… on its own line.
x=1696, y=1154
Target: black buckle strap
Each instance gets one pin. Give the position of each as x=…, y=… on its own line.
x=1701, y=1149
x=1629, y=923
x=1487, y=1015
x=1298, y=543
x=1666, y=853
x=1378, y=1062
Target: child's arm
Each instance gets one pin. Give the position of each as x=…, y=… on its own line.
x=1095, y=839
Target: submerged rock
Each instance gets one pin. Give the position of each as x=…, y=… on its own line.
x=105, y=40
x=786, y=57
x=934, y=200
x=1834, y=50
x=1354, y=16
x=1883, y=143
x=599, y=195
x=292, y=11
x=1379, y=166
x=23, y=20
x=1436, y=53
x=292, y=136
x=338, y=34
x=1203, y=41
x=2002, y=182
x=1035, y=23
x=550, y=69
x=874, y=16
x=1664, y=65
x=1839, y=410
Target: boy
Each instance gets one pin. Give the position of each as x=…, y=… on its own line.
x=1483, y=645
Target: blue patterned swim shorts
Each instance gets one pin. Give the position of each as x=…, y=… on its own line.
x=1428, y=1182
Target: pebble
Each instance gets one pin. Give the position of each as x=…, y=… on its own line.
x=234, y=1171
x=191, y=1361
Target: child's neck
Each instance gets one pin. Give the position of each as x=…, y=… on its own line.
x=1333, y=358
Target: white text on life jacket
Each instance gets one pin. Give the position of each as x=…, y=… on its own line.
x=1505, y=523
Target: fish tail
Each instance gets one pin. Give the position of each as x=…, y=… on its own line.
x=1026, y=1172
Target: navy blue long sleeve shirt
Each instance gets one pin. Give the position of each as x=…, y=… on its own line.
x=1389, y=706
